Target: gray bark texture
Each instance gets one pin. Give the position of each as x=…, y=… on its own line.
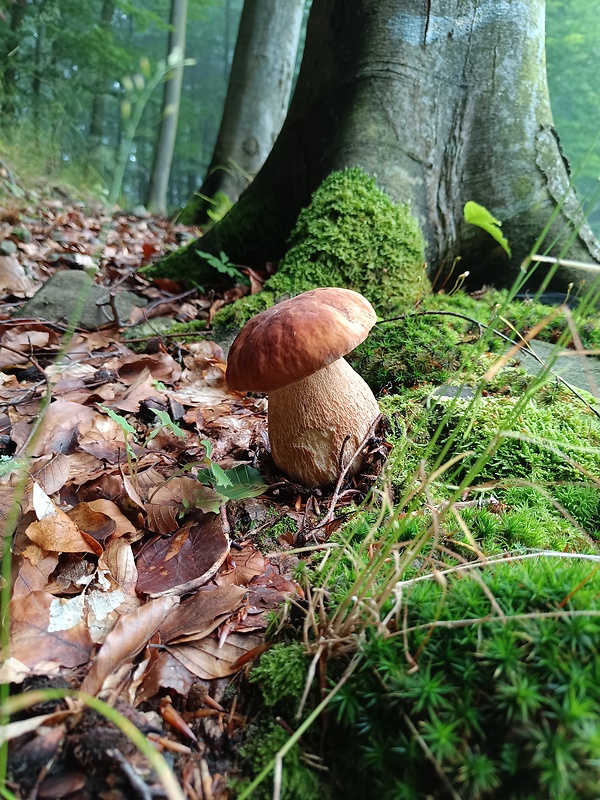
x=444, y=101
x=258, y=94
x=165, y=146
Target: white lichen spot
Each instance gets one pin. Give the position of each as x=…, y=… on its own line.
x=65, y=613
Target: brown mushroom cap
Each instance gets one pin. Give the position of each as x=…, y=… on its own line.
x=298, y=337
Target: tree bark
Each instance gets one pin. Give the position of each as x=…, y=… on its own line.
x=257, y=98
x=165, y=147
x=98, y=112
x=444, y=101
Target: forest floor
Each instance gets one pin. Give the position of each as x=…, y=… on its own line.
x=154, y=541
x=129, y=476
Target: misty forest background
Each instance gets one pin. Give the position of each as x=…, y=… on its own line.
x=63, y=63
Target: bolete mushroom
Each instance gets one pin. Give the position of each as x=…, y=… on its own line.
x=320, y=409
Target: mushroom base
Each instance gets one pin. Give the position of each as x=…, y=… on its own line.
x=310, y=420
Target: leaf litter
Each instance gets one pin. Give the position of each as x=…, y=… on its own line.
x=138, y=575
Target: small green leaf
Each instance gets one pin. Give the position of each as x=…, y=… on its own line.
x=242, y=481
x=166, y=421
x=125, y=426
x=480, y=216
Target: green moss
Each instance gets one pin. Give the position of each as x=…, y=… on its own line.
x=299, y=782
x=233, y=316
x=281, y=673
x=507, y=708
x=355, y=236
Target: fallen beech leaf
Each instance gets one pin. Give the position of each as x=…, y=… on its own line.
x=198, y=558
x=126, y=640
x=33, y=576
x=95, y=523
x=141, y=389
x=58, y=534
x=23, y=340
x=161, y=366
x=51, y=472
x=119, y=561
x=206, y=660
x=62, y=423
x=201, y=613
x=105, y=440
x=122, y=525
x=166, y=502
x=242, y=566
x=13, y=279
x=165, y=672
x=33, y=644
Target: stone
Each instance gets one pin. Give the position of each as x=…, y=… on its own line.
x=61, y=295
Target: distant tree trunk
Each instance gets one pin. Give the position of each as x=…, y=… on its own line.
x=10, y=46
x=257, y=98
x=444, y=101
x=98, y=112
x=165, y=147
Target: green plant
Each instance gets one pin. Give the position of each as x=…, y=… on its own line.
x=223, y=265
x=503, y=705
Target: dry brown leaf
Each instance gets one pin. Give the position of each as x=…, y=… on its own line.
x=13, y=279
x=119, y=561
x=170, y=498
x=23, y=340
x=33, y=574
x=105, y=440
x=51, y=472
x=165, y=570
x=34, y=645
x=209, y=661
x=91, y=521
x=62, y=423
x=201, y=613
x=161, y=366
x=141, y=389
x=126, y=640
x=58, y=534
x=123, y=526
x=165, y=672
x=242, y=566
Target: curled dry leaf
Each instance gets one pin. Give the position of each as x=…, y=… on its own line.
x=58, y=534
x=51, y=472
x=172, y=497
x=201, y=613
x=13, y=279
x=63, y=422
x=209, y=661
x=126, y=640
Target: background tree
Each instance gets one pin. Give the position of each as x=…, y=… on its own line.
x=445, y=102
x=165, y=146
x=257, y=100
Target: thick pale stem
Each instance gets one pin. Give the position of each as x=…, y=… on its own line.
x=317, y=424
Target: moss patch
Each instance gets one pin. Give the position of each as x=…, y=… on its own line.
x=355, y=236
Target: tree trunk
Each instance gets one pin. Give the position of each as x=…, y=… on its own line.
x=10, y=46
x=98, y=112
x=444, y=101
x=257, y=99
x=165, y=147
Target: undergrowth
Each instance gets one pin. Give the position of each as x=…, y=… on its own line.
x=453, y=623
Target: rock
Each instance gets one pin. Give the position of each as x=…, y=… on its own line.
x=58, y=298
x=576, y=370
x=7, y=247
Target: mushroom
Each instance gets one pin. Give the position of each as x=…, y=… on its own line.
x=320, y=409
